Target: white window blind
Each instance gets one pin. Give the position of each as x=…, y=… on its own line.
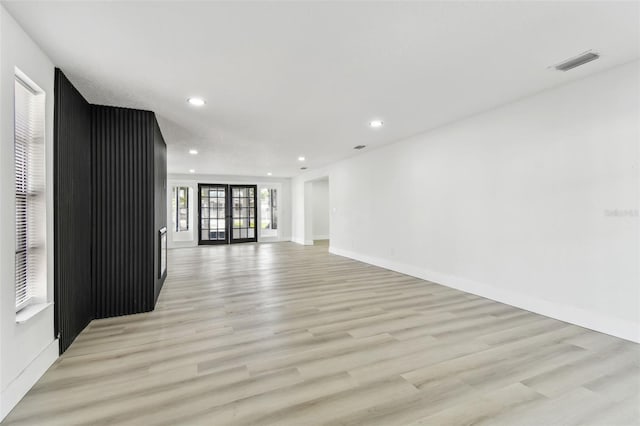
x=30, y=261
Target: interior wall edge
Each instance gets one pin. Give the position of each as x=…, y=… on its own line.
x=23, y=343
x=526, y=215
x=588, y=319
x=302, y=242
x=28, y=377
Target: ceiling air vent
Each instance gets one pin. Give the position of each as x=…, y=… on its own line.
x=577, y=61
x=359, y=146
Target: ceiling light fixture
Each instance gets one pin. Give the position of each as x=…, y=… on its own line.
x=301, y=158
x=191, y=171
x=376, y=124
x=269, y=174
x=303, y=168
x=193, y=151
x=359, y=147
x=196, y=101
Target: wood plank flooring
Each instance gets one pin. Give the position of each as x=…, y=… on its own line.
x=283, y=334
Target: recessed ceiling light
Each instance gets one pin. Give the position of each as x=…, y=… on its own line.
x=269, y=174
x=196, y=101
x=301, y=158
x=191, y=171
x=193, y=151
x=376, y=123
x=303, y=168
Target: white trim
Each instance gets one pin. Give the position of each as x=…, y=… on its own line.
x=624, y=329
x=278, y=187
x=302, y=241
x=30, y=311
x=321, y=237
x=183, y=244
x=191, y=244
x=19, y=387
x=268, y=239
x=25, y=80
x=274, y=240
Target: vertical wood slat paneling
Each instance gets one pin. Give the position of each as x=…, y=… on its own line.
x=123, y=231
x=73, y=296
x=109, y=203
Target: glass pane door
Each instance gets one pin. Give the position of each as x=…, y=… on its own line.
x=243, y=213
x=213, y=214
x=227, y=213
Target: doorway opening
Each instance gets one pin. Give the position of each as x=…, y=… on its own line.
x=227, y=214
x=317, y=218
x=320, y=210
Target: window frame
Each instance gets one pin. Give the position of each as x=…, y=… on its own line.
x=30, y=192
x=176, y=195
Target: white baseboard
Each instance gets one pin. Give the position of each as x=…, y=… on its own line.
x=268, y=239
x=320, y=237
x=624, y=329
x=273, y=239
x=182, y=244
x=19, y=387
x=302, y=242
x=191, y=244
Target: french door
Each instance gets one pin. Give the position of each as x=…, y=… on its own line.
x=227, y=214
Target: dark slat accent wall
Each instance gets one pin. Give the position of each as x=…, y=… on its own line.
x=74, y=307
x=123, y=219
x=160, y=199
x=110, y=198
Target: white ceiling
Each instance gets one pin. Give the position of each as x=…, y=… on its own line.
x=304, y=78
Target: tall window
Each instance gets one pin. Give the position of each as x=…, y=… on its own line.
x=30, y=259
x=181, y=208
x=269, y=211
x=274, y=208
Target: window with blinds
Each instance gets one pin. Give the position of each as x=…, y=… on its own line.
x=181, y=207
x=30, y=259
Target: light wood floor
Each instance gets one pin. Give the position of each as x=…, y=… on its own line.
x=290, y=335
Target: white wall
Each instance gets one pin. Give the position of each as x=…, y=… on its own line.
x=320, y=209
x=534, y=204
x=26, y=349
x=190, y=239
